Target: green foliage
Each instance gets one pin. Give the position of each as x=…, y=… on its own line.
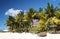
x=33, y=29
x=50, y=10
x=37, y=29
x=24, y=23
x=42, y=28
x=57, y=14
x=40, y=10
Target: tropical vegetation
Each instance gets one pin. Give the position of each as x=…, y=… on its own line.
x=46, y=17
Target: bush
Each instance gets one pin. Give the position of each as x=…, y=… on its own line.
x=42, y=28
x=33, y=29
x=37, y=29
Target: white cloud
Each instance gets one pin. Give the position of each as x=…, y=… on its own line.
x=12, y=12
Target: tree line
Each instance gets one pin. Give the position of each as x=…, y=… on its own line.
x=46, y=17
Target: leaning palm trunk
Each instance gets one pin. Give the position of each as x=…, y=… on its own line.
x=11, y=28
x=31, y=23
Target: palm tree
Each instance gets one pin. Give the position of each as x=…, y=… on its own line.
x=57, y=14
x=40, y=9
x=10, y=23
x=42, y=17
x=23, y=22
x=29, y=14
x=19, y=20
x=49, y=10
x=36, y=14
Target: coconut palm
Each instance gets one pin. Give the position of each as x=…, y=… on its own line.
x=10, y=23
x=19, y=20
x=36, y=14
x=57, y=14
x=49, y=10
x=29, y=14
x=40, y=10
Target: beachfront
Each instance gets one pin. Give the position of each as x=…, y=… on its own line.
x=10, y=35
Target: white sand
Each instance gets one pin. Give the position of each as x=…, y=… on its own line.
x=9, y=35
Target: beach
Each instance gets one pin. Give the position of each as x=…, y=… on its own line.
x=10, y=35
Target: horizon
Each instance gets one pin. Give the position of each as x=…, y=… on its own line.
x=13, y=6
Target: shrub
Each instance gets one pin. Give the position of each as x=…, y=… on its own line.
x=33, y=29
x=42, y=28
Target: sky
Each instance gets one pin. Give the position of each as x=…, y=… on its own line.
x=12, y=7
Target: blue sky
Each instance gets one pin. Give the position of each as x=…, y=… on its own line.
x=5, y=5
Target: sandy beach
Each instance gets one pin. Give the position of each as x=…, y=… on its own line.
x=10, y=35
